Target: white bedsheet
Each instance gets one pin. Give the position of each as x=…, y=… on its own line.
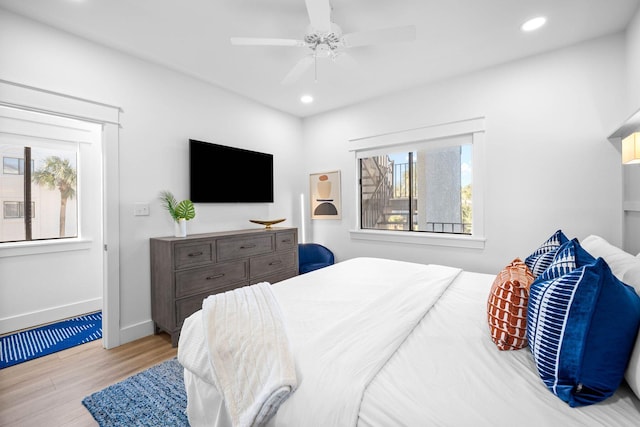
x=450, y=373
x=447, y=372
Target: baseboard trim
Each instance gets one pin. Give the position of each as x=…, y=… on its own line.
x=49, y=315
x=137, y=331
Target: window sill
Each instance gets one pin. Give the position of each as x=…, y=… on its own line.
x=43, y=247
x=420, y=238
x=631, y=206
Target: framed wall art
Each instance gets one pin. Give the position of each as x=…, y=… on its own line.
x=325, y=195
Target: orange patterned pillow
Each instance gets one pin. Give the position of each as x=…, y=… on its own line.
x=507, y=306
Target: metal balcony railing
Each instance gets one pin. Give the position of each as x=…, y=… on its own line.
x=448, y=227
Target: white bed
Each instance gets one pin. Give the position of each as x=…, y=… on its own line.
x=447, y=372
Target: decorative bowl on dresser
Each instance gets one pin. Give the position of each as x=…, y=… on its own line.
x=185, y=270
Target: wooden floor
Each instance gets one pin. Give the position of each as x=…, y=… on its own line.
x=48, y=391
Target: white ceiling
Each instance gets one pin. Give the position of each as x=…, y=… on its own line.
x=452, y=37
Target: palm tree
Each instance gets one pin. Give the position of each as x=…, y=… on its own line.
x=58, y=173
x=467, y=208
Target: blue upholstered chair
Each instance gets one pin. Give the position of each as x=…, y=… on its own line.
x=312, y=256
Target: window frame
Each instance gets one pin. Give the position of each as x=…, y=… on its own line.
x=403, y=140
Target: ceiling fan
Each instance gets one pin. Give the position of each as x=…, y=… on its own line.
x=325, y=40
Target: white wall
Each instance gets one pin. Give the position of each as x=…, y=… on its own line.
x=633, y=62
x=162, y=109
x=632, y=172
x=549, y=163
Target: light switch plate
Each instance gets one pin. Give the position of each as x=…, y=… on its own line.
x=141, y=209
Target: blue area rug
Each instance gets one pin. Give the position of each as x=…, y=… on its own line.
x=155, y=397
x=26, y=345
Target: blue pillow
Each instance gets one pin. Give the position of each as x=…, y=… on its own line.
x=581, y=328
x=542, y=257
x=568, y=257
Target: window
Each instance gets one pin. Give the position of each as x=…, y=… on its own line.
x=16, y=210
x=53, y=183
x=427, y=189
x=14, y=166
x=51, y=147
x=422, y=185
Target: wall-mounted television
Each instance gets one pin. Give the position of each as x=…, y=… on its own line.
x=222, y=174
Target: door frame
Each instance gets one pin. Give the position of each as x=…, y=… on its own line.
x=26, y=97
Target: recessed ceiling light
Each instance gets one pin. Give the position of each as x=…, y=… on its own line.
x=306, y=99
x=534, y=23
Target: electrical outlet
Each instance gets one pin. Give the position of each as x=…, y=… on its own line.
x=141, y=209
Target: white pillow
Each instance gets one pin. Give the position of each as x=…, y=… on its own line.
x=618, y=260
x=632, y=277
x=632, y=374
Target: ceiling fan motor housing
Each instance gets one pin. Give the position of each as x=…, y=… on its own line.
x=319, y=40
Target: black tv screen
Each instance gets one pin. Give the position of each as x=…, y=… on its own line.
x=221, y=174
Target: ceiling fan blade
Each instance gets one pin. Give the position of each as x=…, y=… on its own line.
x=345, y=60
x=254, y=41
x=298, y=69
x=319, y=12
x=387, y=35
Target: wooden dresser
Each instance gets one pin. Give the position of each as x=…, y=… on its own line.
x=185, y=270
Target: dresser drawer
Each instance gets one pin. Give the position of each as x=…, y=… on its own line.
x=272, y=263
x=185, y=307
x=210, y=278
x=285, y=240
x=244, y=247
x=193, y=254
x=275, y=277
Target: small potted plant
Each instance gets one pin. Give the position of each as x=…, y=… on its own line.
x=180, y=212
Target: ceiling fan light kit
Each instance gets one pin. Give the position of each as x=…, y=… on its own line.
x=325, y=40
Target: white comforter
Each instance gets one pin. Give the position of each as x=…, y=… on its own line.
x=357, y=347
x=445, y=372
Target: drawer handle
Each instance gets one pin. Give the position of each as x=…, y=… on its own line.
x=193, y=254
x=286, y=240
x=248, y=246
x=275, y=262
x=217, y=276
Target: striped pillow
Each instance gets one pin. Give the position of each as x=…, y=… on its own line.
x=581, y=328
x=568, y=257
x=507, y=306
x=542, y=257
